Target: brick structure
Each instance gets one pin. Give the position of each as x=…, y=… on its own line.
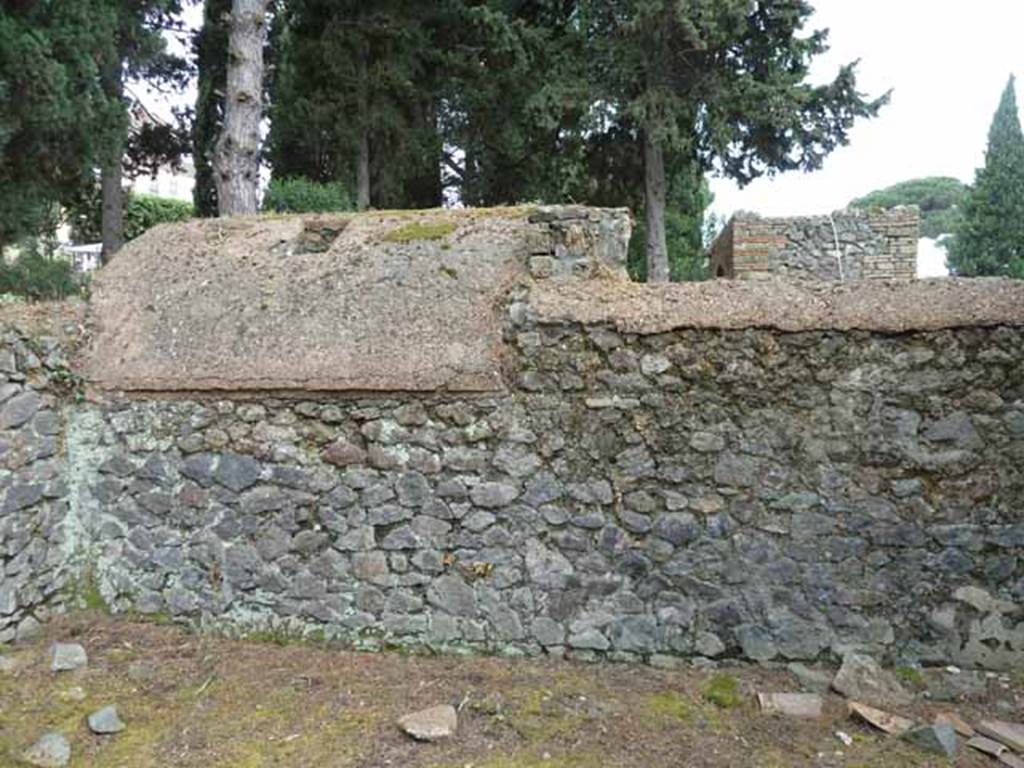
x=845, y=246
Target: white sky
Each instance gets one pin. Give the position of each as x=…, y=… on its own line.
x=947, y=63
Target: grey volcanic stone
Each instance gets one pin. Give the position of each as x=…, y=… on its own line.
x=52, y=750
x=237, y=472
x=21, y=496
x=19, y=409
x=105, y=720
x=810, y=679
x=757, y=642
x=939, y=739
x=492, y=495
x=65, y=657
x=861, y=678
x=452, y=595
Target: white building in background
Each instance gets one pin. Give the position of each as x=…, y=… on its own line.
x=168, y=182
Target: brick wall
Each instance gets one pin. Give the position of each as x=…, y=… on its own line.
x=846, y=246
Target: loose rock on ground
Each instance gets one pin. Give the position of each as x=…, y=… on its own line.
x=51, y=751
x=430, y=724
x=67, y=656
x=105, y=720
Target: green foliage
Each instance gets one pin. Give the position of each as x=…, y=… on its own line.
x=500, y=101
x=55, y=120
x=142, y=212
x=938, y=197
x=723, y=691
x=989, y=236
x=37, y=275
x=300, y=195
x=348, y=70
x=146, y=211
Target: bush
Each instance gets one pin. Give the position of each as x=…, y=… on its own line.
x=146, y=211
x=300, y=195
x=36, y=275
x=141, y=212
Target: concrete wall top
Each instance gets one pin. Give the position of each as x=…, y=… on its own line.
x=388, y=301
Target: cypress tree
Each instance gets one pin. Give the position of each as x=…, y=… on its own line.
x=56, y=121
x=989, y=239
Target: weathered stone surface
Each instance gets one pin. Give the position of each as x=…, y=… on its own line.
x=1010, y=734
x=386, y=305
x=810, y=679
x=65, y=657
x=880, y=719
x=105, y=721
x=939, y=739
x=861, y=678
x=802, y=705
x=493, y=495
x=431, y=724
x=19, y=409
x=52, y=750
x=769, y=495
x=848, y=245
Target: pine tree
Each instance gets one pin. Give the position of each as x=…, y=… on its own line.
x=716, y=84
x=989, y=239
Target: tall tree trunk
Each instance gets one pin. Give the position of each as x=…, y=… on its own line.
x=363, y=171
x=211, y=48
x=236, y=159
x=654, y=204
x=111, y=173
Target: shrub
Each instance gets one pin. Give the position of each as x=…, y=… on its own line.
x=36, y=275
x=146, y=211
x=300, y=195
x=141, y=212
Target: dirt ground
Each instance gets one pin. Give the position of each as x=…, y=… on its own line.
x=191, y=701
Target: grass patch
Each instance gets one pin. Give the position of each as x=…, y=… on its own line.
x=670, y=705
x=911, y=675
x=724, y=692
x=420, y=231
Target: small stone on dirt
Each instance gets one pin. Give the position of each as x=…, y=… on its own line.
x=105, y=720
x=430, y=724
x=1010, y=734
x=939, y=739
x=863, y=679
x=883, y=721
x=67, y=656
x=792, y=704
x=51, y=751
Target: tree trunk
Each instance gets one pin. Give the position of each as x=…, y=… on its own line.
x=654, y=204
x=363, y=171
x=111, y=172
x=113, y=205
x=236, y=158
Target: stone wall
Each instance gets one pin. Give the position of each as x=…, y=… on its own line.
x=757, y=470
x=692, y=492
x=33, y=483
x=846, y=246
